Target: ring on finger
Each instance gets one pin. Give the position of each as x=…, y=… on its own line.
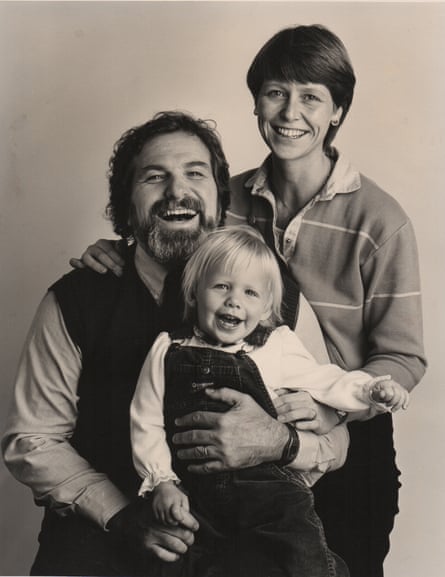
x=202, y=451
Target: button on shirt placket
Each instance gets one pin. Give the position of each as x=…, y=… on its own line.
x=290, y=234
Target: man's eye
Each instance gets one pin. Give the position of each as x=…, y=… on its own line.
x=154, y=178
x=276, y=93
x=195, y=174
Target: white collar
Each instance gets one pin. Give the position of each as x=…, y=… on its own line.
x=343, y=179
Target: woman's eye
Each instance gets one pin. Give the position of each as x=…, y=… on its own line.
x=311, y=98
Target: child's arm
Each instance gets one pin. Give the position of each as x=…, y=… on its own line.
x=151, y=454
x=169, y=503
x=296, y=369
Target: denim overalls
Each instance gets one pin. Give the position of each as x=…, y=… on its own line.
x=254, y=522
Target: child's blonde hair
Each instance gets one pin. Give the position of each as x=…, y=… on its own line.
x=232, y=247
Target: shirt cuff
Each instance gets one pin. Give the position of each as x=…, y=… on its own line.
x=153, y=479
x=101, y=501
x=309, y=455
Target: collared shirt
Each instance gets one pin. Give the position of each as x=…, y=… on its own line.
x=342, y=180
x=43, y=416
x=353, y=253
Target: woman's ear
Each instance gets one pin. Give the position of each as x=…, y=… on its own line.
x=335, y=120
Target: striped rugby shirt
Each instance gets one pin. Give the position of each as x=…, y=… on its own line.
x=353, y=251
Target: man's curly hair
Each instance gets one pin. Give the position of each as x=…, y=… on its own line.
x=130, y=144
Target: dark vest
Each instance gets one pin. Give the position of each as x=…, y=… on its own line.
x=114, y=321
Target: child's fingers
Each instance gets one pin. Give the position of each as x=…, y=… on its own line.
x=176, y=513
x=405, y=400
x=185, y=504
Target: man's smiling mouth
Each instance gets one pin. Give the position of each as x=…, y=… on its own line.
x=178, y=214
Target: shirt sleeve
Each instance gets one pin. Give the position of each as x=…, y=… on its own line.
x=326, y=383
x=36, y=443
x=393, y=310
x=151, y=454
x=319, y=454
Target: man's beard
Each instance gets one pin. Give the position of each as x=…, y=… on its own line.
x=172, y=248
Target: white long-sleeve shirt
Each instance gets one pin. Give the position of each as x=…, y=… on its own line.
x=283, y=362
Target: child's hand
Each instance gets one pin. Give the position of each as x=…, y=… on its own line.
x=390, y=393
x=169, y=503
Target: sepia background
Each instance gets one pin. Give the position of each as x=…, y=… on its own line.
x=75, y=75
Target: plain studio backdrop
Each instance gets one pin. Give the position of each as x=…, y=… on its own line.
x=75, y=76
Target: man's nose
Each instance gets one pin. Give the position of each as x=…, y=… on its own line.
x=176, y=188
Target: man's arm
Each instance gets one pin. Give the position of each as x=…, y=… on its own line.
x=246, y=435
x=38, y=453
x=243, y=436
x=36, y=443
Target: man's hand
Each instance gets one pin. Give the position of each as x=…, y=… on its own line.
x=242, y=437
x=102, y=256
x=306, y=414
x=135, y=525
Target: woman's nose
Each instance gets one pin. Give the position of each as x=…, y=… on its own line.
x=291, y=108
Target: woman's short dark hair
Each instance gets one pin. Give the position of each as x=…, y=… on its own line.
x=131, y=143
x=306, y=54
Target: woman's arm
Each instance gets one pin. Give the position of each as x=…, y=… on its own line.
x=102, y=256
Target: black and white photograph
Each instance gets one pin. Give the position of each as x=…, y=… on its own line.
x=222, y=238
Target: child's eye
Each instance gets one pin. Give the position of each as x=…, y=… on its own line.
x=252, y=293
x=221, y=286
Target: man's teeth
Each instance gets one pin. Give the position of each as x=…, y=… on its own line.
x=290, y=132
x=179, y=214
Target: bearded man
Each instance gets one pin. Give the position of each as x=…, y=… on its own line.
x=68, y=432
x=67, y=435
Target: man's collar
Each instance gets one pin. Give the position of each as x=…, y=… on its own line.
x=150, y=272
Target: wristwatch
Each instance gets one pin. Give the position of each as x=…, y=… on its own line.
x=291, y=448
